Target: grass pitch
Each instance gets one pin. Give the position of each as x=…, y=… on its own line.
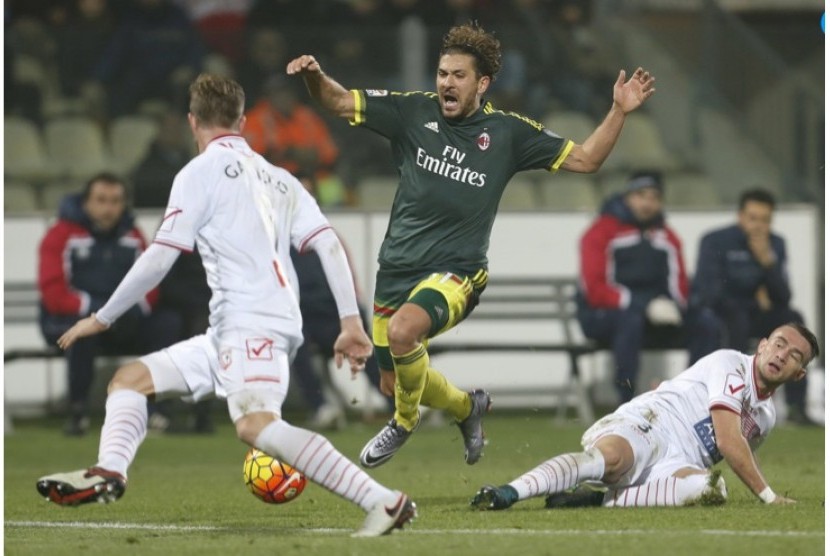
x=186, y=496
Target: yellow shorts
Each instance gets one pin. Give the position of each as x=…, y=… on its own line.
x=448, y=298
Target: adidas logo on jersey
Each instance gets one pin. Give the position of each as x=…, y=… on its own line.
x=432, y=125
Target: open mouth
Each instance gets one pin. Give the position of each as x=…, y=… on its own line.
x=775, y=367
x=450, y=102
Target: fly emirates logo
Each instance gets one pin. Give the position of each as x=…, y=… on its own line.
x=450, y=166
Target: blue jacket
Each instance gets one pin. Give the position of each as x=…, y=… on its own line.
x=728, y=275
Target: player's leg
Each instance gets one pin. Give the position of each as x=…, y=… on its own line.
x=448, y=299
x=182, y=369
x=618, y=450
x=256, y=390
x=687, y=485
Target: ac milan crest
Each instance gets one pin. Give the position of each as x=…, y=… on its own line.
x=483, y=141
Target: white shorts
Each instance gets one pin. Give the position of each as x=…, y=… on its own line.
x=655, y=455
x=246, y=368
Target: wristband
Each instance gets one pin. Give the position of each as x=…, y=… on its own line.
x=767, y=496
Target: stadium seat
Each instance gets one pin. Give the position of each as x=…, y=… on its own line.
x=77, y=146
x=130, y=137
x=573, y=125
x=691, y=190
x=520, y=193
x=24, y=155
x=52, y=194
x=377, y=192
x=641, y=146
x=569, y=191
x=19, y=197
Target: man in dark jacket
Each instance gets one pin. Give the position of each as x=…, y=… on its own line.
x=742, y=276
x=633, y=284
x=82, y=259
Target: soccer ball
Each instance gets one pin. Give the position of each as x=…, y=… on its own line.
x=271, y=480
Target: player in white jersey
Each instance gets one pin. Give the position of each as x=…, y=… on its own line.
x=243, y=214
x=659, y=448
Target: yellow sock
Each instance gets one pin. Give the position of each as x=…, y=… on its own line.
x=440, y=394
x=410, y=377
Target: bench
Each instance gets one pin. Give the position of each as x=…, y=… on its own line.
x=521, y=314
x=517, y=314
x=20, y=305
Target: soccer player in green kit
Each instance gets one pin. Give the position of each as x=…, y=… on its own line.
x=455, y=154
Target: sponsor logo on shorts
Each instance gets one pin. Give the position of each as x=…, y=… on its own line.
x=377, y=92
x=259, y=349
x=225, y=358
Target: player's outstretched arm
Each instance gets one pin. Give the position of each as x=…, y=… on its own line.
x=88, y=326
x=330, y=94
x=145, y=274
x=628, y=95
x=736, y=451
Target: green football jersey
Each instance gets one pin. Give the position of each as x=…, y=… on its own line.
x=452, y=176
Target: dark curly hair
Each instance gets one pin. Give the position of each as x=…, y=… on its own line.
x=472, y=39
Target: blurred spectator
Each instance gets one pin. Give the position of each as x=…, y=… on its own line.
x=582, y=68
x=168, y=153
x=266, y=57
x=82, y=38
x=82, y=259
x=154, y=54
x=290, y=134
x=742, y=275
x=221, y=24
x=633, y=281
x=29, y=50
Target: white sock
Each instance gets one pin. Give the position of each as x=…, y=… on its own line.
x=125, y=427
x=668, y=491
x=560, y=473
x=314, y=456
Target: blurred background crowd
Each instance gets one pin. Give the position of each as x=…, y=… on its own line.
x=101, y=84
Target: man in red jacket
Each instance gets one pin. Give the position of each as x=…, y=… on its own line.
x=82, y=259
x=633, y=284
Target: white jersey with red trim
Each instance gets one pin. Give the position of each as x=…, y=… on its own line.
x=679, y=409
x=243, y=213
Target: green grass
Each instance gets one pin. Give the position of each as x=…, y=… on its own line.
x=188, y=481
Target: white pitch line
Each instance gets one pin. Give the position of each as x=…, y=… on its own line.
x=112, y=525
x=416, y=531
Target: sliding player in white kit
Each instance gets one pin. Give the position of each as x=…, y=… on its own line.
x=243, y=214
x=658, y=449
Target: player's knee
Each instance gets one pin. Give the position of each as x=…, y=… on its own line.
x=618, y=457
x=249, y=426
x=132, y=376
x=402, y=336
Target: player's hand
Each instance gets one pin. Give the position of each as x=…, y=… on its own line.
x=304, y=64
x=629, y=95
x=88, y=326
x=761, y=248
x=782, y=500
x=352, y=344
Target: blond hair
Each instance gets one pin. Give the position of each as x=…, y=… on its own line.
x=216, y=101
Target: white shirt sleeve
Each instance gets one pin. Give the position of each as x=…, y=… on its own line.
x=187, y=209
x=307, y=220
x=336, y=267
x=727, y=379
x=145, y=274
